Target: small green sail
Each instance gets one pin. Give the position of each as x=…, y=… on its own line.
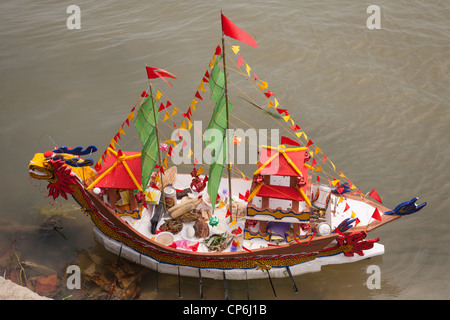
x=146, y=127
x=218, y=121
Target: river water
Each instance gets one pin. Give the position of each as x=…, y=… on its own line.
x=376, y=100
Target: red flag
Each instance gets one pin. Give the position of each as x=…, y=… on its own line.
x=374, y=195
x=346, y=206
x=144, y=94
x=309, y=143
x=376, y=215
x=154, y=73
x=285, y=140
x=231, y=30
x=218, y=51
x=269, y=94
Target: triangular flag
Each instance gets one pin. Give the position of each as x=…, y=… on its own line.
x=240, y=61
x=263, y=85
x=174, y=112
x=161, y=107
x=235, y=49
x=269, y=93
x=197, y=95
x=376, y=215
x=353, y=214
x=276, y=102
x=324, y=158
x=374, y=194
x=309, y=143
x=285, y=140
x=319, y=168
x=346, y=207
x=201, y=87
x=158, y=95
x=231, y=30
x=318, y=150
x=247, y=68
x=218, y=51
x=167, y=116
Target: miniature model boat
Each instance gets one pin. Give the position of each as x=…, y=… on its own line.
x=296, y=213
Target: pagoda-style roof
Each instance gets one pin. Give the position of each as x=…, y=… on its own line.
x=282, y=161
x=120, y=170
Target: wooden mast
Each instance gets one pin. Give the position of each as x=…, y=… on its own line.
x=228, y=124
x=157, y=140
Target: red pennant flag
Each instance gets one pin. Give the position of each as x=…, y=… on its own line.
x=240, y=61
x=296, y=127
x=376, y=215
x=346, y=206
x=269, y=94
x=218, y=51
x=154, y=73
x=161, y=107
x=228, y=214
x=231, y=30
x=374, y=194
x=324, y=158
x=144, y=94
x=207, y=73
x=197, y=95
x=280, y=111
x=285, y=140
x=314, y=162
x=309, y=143
x=168, y=104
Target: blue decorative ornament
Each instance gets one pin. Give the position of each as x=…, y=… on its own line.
x=407, y=207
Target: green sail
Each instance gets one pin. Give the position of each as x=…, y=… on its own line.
x=146, y=127
x=219, y=122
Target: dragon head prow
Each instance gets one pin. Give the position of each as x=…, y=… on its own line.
x=61, y=170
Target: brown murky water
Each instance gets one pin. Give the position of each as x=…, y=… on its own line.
x=376, y=100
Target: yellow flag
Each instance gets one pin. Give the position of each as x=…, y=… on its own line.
x=158, y=95
x=270, y=104
x=200, y=171
x=130, y=116
x=189, y=125
x=318, y=149
x=121, y=131
x=175, y=111
x=190, y=153
x=335, y=182
x=221, y=205
x=340, y=199
x=319, y=168
x=286, y=118
x=193, y=106
x=165, y=161
x=211, y=64
x=235, y=49
x=276, y=102
x=167, y=116
x=353, y=215
x=298, y=134
x=201, y=87
x=247, y=68
x=172, y=142
x=263, y=85
x=183, y=125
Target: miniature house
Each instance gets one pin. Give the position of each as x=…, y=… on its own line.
x=279, y=196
